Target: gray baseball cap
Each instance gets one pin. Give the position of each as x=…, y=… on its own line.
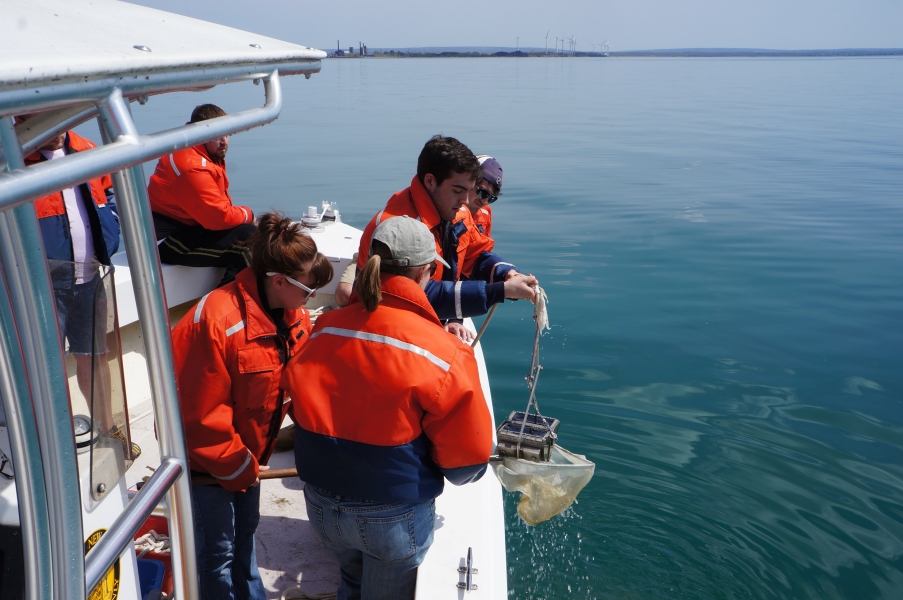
x=410, y=241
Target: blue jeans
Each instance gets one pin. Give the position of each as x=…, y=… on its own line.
x=224, y=525
x=378, y=546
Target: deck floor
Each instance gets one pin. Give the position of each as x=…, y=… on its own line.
x=288, y=552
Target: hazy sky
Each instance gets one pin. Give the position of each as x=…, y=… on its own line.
x=626, y=24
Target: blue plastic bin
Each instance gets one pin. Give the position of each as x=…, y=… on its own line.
x=150, y=575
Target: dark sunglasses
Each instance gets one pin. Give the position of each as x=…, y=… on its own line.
x=485, y=195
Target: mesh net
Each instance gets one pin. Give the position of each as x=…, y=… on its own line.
x=547, y=488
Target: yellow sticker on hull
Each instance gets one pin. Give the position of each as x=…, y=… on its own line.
x=108, y=588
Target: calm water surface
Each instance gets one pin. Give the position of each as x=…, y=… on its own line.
x=722, y=244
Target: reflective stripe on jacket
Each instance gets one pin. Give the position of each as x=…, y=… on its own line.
x=464, y=248
x=483, y=220
x=192, y=189
x=54, y=222
x=228, y=362
x=387, y=403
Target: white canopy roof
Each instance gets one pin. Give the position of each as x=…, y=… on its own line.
x=45, y=41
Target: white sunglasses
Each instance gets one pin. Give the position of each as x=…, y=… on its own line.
x=310, y=291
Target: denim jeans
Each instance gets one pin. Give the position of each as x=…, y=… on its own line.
x=224, y=525
x=378, y=546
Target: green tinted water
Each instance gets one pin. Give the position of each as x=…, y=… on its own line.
x=721, y=242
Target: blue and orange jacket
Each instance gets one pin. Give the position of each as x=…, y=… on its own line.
x=482, y=219
x=387, y=404
x=189, y=187
x=229, y=357
x=477, y=275
x=54, y=222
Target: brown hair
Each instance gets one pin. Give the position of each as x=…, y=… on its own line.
x=279, y=245
x=442, y=155
x=368, y=284
x=202, y=112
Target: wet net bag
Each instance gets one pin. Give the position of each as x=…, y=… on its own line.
x=548, y=487
x=547, y=476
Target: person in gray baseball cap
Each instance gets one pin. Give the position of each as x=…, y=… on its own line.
x=399, y=246
x=381, y=379
x=488, y=191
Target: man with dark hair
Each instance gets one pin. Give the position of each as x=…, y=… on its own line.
x=438, y=196
x=197, y=225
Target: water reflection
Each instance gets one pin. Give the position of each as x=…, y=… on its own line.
x=727, y=491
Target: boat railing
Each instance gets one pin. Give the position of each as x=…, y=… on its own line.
x=32, y=371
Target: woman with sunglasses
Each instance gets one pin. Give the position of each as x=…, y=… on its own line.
x=229, y=353
x=488, y=191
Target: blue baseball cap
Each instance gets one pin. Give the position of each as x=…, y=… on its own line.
x=492, y=170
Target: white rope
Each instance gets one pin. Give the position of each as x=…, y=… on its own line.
x=152, y=542
x=540, y=312
x=541, y=316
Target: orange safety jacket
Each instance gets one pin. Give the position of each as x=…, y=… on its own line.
x=229, y=359
x=54, y=222
x=189, y=187
x=416, y=203
x=476, y=281
x=387, y=404
x=483, y=220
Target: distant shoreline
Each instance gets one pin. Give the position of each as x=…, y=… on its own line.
x=675, y=53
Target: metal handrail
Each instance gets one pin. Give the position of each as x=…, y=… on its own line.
x=33, y=134
x=121, y=533
x=24, y=185
x=25, y=271
x=26, y=453
x=153, y=316
x=79, y=91
x=27, y=280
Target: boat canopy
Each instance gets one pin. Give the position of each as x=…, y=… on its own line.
x=53, y=41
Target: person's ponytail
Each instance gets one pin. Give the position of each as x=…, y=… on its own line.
x=368, y=285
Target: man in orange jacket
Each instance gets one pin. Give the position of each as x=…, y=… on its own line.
x=197, y=224
x=387, y=407
x=438, y=196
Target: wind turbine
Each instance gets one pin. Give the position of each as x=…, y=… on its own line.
x=607, y=47
x=547, y=41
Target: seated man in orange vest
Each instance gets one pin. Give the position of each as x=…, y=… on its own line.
x=197, y=224
x=447, y=172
